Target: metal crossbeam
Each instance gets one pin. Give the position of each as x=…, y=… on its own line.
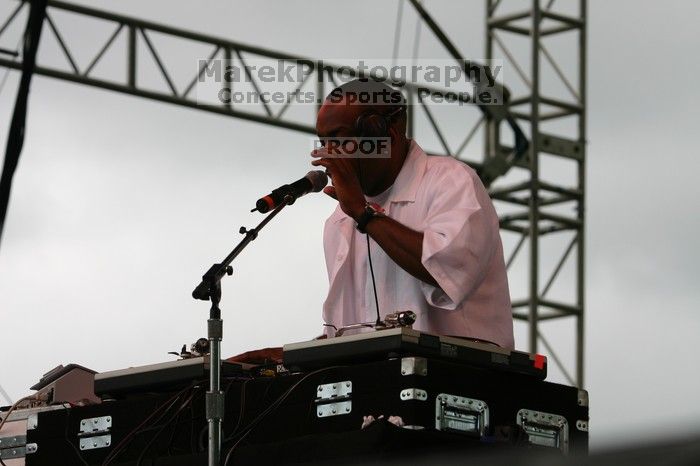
x=139, y=32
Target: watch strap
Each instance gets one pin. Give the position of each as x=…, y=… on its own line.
x=367, y=215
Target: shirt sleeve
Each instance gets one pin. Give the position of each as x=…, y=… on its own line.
x=459, y=237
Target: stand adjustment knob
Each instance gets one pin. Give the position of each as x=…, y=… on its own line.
x=252, y=233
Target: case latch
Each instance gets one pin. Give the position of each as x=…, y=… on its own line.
x=461, y=414
x=545, y=429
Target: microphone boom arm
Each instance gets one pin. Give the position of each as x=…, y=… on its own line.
x=209, y=289
x=217, y=271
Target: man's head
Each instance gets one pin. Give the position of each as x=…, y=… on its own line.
x=368, y=110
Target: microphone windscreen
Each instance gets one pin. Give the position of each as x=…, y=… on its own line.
x=318, y=179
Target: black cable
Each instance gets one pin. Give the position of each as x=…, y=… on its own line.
x=200, y=437
x=369, y=257
x=192, y=445
x=156, y=423
x=191, y=436
x=263, y=398
x=241, y=412
x=374, y=284
x=65, y=436
x=172, y=420
x=162, y=428
x=203, y=430
x=16, y=135
x=138, y=429
x=131, y=435
x=276, y=404
x=168, y=449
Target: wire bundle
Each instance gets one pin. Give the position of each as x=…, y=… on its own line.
x=273, y=406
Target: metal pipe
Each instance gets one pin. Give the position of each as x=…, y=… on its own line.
x=534, y=177
x=581, y=255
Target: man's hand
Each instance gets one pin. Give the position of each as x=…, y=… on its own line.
x=345, y=187
x=402, y=244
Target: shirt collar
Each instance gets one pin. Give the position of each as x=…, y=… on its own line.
x=406, y=184
x=411, y=175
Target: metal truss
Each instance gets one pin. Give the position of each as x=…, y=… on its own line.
x=532, y=222
x=141, y=45
x=545, y=210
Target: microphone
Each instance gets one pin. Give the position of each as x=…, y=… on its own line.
x=314, y=181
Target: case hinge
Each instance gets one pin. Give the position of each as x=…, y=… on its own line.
x=94, y=433
x=413, y=394
x=333, y=399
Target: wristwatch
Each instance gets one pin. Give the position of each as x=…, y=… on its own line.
x=371, y=211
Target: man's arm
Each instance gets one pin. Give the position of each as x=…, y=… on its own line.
x=458, y=244
x=402, y=244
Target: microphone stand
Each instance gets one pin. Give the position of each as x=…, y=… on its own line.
x=209, y=289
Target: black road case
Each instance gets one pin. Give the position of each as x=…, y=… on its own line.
x=430, y=395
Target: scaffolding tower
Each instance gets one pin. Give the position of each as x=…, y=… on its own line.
x=542, y=209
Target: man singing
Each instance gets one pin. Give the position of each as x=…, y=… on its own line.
x=426, y=223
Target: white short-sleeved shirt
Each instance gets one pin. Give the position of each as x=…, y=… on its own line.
x=445, y=200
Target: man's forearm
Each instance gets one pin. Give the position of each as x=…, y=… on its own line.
x=402, y=244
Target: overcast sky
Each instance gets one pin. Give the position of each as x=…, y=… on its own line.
x=119, y=204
